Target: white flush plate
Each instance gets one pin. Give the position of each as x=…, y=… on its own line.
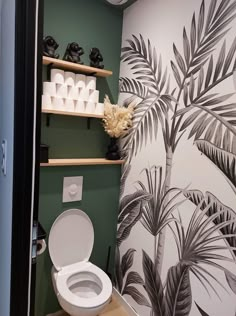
x=72, y=189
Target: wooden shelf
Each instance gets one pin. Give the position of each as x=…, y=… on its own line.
x=72, y=113
x=80, y=162
x=76, y=67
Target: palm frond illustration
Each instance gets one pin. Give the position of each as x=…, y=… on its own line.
x=201, y=311
x=221, y=212
x=156, y=213
x=152, y=90
x=132, y=278
x=201, y=244
x=208, y=117
x=222, y=159
x=195, y=107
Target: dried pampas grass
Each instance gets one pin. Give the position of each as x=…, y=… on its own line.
x=117, y=119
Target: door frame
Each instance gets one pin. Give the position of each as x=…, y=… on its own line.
x=27, y=120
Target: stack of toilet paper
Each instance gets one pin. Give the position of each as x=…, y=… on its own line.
x=71, y=92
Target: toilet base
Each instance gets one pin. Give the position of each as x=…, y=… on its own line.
x=76, y=311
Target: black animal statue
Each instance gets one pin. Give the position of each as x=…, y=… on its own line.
x=96, y=58
x=73, y=53
x=49, y=47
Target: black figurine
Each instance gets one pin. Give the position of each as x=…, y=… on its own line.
x=73, y=53
x=49, y=47
x=96, y=58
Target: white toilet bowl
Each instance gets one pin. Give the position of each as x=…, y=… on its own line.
x=82, y=288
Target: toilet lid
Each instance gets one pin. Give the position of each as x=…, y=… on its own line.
x=71, y=238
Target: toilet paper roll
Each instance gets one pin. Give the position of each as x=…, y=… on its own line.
x=80, y=106
x=91, y=82
x=58, y=104
x=61, y=90
x=73, y=93
x=57, y=75
x=83, y=94
x=99, y=108
x=41, y=246
x=46, y=102
x=69, y=105
x=69, y=78
x=90, y=107
x=49, y=88
x=93, y=96
x=80, y=81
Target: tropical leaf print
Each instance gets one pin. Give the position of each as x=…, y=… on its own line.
x=201, y=311
x=127, y=261
x=151, y=88
x=200, y=44
x=231, y=279
x=198, y=245
x=178, y=291
x=124, y=176
x=129, y=202
x=118, y=271
x=197, y=73
x=133, y=87
x=153, y=286
x=222, y=159
x=144, y=63
x=136, y=295
x=133, y=278
x=130, y=213
x=194, y=106
x=126, y=225
x=157, y=211
x=219, y=213
x=208, y=113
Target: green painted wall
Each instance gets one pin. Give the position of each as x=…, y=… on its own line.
x=91, y=23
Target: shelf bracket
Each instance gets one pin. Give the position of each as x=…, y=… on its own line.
x=88, y=122
x=48, y=117
x=49, y=67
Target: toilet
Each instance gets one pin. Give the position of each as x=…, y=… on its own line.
x=81, y=287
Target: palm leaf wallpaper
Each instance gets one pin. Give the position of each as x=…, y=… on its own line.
x=176, y=241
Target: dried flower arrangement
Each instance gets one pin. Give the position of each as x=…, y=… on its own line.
x=117, y=119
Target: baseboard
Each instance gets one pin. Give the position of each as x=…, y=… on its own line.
x=120, y=299
x=59, y=313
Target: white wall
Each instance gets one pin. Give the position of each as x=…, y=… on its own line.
x=7, y=26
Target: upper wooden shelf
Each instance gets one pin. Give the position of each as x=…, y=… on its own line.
x=80, y=162
x=72, y=113
x=76, y=67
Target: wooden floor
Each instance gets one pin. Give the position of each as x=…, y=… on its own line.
x=113, y=309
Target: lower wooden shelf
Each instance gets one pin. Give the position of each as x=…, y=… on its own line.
x=80, y=162
x=45, y=111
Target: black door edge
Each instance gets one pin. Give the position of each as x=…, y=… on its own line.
x=25, y=135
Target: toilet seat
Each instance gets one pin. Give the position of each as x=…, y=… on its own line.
x=71, y=239
x=78, y=282
x=73, y=299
